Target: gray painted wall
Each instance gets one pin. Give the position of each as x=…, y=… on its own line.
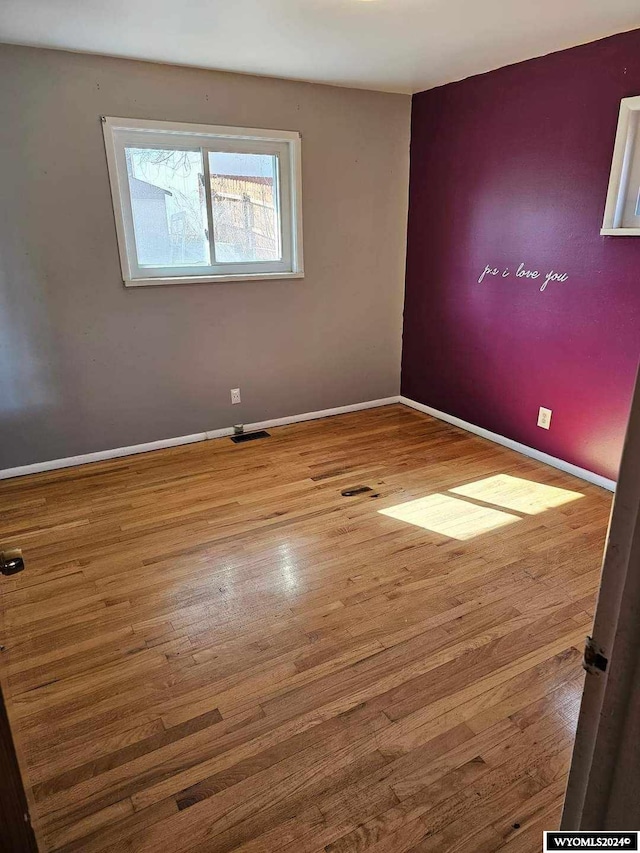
x=87, y=365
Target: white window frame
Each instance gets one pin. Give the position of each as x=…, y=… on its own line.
x=626, y=159
x=283, y=144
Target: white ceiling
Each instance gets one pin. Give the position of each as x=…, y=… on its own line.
x=393, y=45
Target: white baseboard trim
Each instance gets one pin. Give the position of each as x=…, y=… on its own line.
x=307, y=416
x=582, y=473
x=325, y=413
x=101, y=455
x=69, y=462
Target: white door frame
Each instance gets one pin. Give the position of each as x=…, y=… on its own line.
x=604, y=780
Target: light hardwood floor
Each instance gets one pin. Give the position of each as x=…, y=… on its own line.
x=211, y=649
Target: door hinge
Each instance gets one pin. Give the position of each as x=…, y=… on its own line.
x=11, y=562
x=594, y=660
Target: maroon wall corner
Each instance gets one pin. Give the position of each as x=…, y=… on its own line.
x=511, y=168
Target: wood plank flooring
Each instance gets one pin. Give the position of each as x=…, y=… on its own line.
x=213, y=650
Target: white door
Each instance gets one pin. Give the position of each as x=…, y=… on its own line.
x=603, y=792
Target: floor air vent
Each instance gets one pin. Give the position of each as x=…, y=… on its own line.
x=355, y=490
x=249, y=436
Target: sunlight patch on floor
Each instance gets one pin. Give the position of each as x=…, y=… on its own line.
x=450, y=516
x=517, y=494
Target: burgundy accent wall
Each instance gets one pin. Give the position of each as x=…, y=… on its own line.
x=511, y=168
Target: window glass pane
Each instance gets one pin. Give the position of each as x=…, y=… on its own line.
x=631, y=204
x=169, y=207
x=244, y=201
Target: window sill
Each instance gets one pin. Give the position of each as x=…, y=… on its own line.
x=620, y=232
x=211, y=279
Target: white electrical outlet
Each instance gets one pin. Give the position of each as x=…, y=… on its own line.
x=544, y=417
x=235, y=396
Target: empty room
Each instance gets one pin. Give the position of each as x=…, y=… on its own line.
x=319, y=438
